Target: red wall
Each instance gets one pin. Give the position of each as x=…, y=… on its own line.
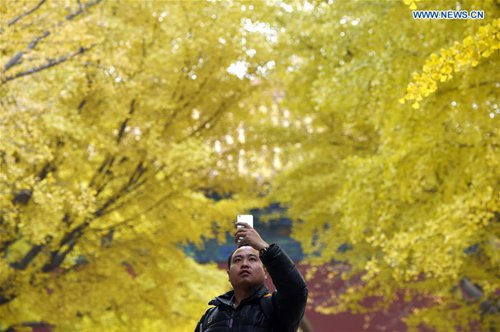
x=319, y=290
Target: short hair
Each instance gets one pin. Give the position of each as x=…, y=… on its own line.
x=230, y=258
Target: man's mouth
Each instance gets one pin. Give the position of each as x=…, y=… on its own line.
x=244, y=273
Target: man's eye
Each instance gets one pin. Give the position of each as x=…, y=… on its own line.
x=253, y=259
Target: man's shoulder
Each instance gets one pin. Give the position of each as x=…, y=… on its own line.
x=209, y=313
x=207, y=318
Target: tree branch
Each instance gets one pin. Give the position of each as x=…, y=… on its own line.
x=132, y=184
x=81, y=9
x=50, y=63
x=123, y=125
x=70, y=240
x=105, y=166
x=146, y=210
x=213, y=118
x=16, y=19
x=17, y=58
x=23, y=263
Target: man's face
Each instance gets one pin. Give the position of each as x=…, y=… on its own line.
x=246, y=268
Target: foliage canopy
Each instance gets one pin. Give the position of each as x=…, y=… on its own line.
x=119, y=119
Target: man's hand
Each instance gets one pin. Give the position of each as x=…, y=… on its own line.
x=248, y=236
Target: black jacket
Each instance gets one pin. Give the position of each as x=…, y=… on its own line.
x=261, y=311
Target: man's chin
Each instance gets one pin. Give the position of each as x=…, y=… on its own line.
x=247, y=282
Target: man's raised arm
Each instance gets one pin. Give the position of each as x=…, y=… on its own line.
x=291, y=296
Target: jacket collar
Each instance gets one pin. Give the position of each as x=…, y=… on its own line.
x=227, y=298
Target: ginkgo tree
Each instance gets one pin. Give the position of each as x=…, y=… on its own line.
x=397, y=174
x=118, y=119
x=110, y=112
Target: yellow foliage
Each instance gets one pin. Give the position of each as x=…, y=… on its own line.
x=408, y=198
x=440, y=68
x=411, y=3
x=118, y=119
x=109, y=115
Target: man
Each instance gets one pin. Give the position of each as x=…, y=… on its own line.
x=249, y=307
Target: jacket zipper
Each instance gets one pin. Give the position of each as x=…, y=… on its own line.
x=231, y=320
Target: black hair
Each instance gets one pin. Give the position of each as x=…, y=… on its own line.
x=230, y=258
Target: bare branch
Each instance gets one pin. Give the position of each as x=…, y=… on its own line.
x=37, y=40
x=50, y=63
x=105, y=166
x=16, y=19
x=153, y=206
x=68, y=243
x=214, y=117
x=123, y=125
x=17, y=58
x=23, y=263
x=189, y=101
x=81, y=9
x=131, y=185
x=82, y=104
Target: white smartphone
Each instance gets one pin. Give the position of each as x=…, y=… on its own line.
x=248, y=218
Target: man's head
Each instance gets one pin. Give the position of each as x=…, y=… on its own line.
x=245, y=269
